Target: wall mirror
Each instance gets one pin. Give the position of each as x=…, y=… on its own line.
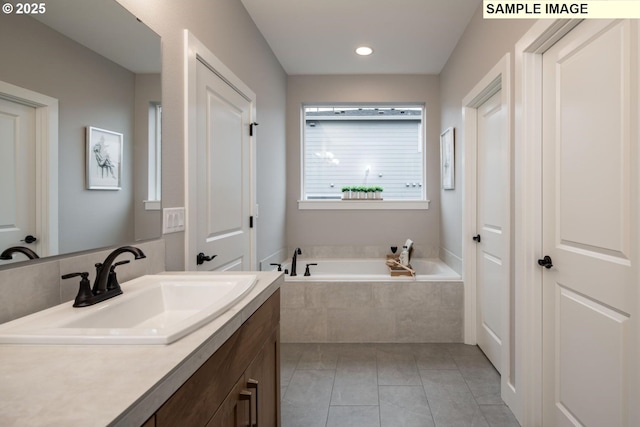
x=69, y=68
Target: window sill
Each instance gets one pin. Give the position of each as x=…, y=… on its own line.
x=363, y=204
x=152, y=205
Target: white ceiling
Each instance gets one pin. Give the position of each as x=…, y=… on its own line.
x=320, y=36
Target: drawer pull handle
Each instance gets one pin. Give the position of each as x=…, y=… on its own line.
x=246, y=395
x=251, y=383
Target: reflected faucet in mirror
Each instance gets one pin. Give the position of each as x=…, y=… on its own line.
x=7, y=254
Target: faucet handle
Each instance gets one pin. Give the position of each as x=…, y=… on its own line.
x=306, y=270
x=113, y=267
x=112, y=282
x=279, y=265
x=84, y=295
x=84, y=275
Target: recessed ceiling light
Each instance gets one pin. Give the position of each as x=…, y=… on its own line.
x=364, y=51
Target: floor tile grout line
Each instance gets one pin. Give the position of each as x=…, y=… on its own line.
x=426, y=396
x=333, y=385
x=472, y=395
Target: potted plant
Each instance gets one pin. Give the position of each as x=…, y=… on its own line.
x=378, y=192
x=370, y=192
x=355, y=192
x=363, y=192
x=346, y=193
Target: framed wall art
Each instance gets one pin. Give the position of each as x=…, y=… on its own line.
x=447, y=159
x=104, y=159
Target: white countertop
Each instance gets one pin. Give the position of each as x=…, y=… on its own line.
x=111, y=385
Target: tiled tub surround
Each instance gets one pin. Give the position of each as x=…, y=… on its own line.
x=359, y=310
x=36, y=285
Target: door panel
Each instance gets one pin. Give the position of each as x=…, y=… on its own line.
x=491, y=279
x=223, y=174
x=17, y=175
x=588, y=221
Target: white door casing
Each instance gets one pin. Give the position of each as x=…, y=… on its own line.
x=29, y=188
x=489, y=198
x=231, y=225
x=587, y=225
x=588, y=274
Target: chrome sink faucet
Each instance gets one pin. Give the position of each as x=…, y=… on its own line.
x=294, y=261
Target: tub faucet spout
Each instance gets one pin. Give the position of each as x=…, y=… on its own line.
x=294, y=260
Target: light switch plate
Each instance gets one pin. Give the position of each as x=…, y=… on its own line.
x=172, y=220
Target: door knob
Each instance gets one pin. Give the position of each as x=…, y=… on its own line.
x=201, y=258
x=545, y=262
x=29, y=239
x=476, y=238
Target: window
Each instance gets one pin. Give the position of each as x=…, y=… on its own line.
x=363, y=145
x=155, y=159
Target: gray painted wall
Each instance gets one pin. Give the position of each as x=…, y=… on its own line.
x=482, y=45
x=363, y=228
x=225, y=27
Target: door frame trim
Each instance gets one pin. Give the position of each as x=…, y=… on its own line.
x=499, y=78
x=528, y=213
x=46, y=110
x=195, y=51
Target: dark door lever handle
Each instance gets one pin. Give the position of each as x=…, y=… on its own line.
x=476, y=238
x=29, y=239
x=545, y=262
x=201, y=258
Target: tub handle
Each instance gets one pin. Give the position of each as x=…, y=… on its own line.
x=306, y=270
x=276, y=264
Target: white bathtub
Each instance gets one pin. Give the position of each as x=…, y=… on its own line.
x=367, y=270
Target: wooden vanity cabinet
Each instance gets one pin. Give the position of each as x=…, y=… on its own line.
x=240, y=380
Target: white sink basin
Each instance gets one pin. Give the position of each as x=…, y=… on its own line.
x=154, y=309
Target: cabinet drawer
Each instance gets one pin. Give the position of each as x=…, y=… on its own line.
x=235, y=409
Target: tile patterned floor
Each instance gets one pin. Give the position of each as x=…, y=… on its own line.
x=390, y=385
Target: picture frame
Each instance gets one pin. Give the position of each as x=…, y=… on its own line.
x=447, y=159
x=104, y=159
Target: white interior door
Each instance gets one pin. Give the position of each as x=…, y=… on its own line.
x=491, y=273
x=223, y=173
x=17, y=176
x=590, y=226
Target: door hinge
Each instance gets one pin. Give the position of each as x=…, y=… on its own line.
x=251, y=128
x=251, y=221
